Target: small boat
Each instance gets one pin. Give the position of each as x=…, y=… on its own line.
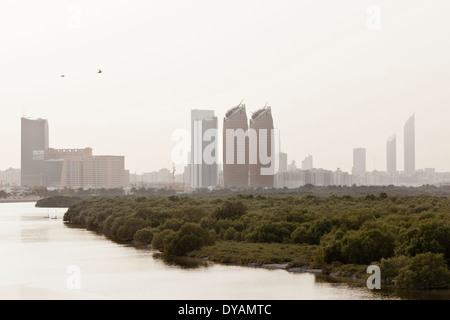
x=47, y=217
x=54, y=218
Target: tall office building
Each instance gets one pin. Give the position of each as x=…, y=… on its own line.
x=261, y=123
x=204, y=164
x=359, y=162
x=307, y=164
x=410, y=146
x=235, y=148
x=391, y=154
x=34, y=146
x=283, y=162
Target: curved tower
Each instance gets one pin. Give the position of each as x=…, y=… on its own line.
x=235, y=148
x=261, y=124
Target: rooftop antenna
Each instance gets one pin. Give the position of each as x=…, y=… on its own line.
x=240, y=103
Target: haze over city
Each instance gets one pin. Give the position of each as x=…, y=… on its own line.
x=333, y=82
x=214, y=153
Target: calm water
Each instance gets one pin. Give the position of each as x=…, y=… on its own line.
x=36, y=253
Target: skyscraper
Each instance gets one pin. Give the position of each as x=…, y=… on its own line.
x=391, y=154
x=307, y=164
x=261, y=124
x=410, y=146
x=204, y=164
x=283, y=162
x=34, y=146
x=235, y=148
x=359, y=162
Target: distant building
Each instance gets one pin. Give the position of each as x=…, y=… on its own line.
x=292, y=166
x=262, y=121
x=359, y=162
x=10, y=177
x=283, y=162
x=94, y=172
x=203, y=174
x=55, y=154
x=391, y=154
x=235, y=148
x=307, y=164
x=410, y=146
x=66, y=168
x=79, y=168
x=34, y=146
x=341, y=178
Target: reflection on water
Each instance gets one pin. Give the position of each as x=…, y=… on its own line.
x=182, y=262
x=34, y=235
x=39, y=252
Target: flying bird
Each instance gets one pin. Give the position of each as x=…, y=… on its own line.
x=63, y=75
x=99, y=71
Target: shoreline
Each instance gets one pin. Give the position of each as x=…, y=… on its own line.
x=268, y=266
x=18, y=200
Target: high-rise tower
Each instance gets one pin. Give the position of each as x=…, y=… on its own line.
x=34, y=146
x=204, y=166
x=235, y=148
x=261, y=124
x=391, y=154
x=359, y=162
x=410, y=145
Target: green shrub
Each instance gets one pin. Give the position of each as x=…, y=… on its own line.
x=115, y=225
x=390, y=268
x=427, y=236
x=229, y=234
x=270, y=232
x=425, y=271
x=158, y=239
x=365, y=246
x=144, y=235
x=330, y=249
x=173, y=224
x=231, y=210
x=311, y=232
x=129, y=228
x=191, y=236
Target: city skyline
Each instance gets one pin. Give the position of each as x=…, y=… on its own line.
x=256, y=150
x=42, y=166
x=207, y=120
x=334, y=83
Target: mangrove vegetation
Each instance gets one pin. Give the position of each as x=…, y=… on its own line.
x=407, y=236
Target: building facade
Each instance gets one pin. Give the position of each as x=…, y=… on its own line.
x=410, y=146
x=65, y=168
x=359, y=162
x=93, y=172
x=10, y=177
x=34, y=146
x=391, y=155
x=307, y=164
x=235, y=148
x=261, y=123
x=203, y=161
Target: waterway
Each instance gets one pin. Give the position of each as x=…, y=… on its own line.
x=43, y=258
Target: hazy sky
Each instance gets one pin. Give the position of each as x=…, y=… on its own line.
x=333, y=81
